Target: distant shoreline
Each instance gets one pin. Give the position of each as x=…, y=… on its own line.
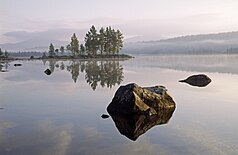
x=82, y=57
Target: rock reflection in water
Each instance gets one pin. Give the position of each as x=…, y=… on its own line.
x=104, y=73
x=134, y=126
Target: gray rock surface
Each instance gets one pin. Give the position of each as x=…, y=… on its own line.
x=200, y=80
x=133, y=99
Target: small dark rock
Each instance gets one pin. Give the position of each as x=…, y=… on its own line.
x=17, y=65
x=1, y=108
x=200, y=80
x=47, y=72
x=105, y=116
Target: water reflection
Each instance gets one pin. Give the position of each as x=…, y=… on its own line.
x=104, y=73
x=54, y=139
x=220, y=63
x=107, y=73
x=4, y=66
x=134, y=126
x=49, y=115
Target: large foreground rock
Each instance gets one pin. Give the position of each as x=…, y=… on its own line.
x=200, y=80
x=132, y=99
x=135, y=109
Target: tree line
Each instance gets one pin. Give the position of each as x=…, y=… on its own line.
x=106, y=41
x=3, y=54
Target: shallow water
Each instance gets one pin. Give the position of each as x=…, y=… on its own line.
x=61, y=113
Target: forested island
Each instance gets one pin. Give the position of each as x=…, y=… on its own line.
x=105, y=43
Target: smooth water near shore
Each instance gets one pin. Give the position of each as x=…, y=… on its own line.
x=61, y=113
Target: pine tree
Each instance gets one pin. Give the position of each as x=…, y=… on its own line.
x=62, y=50
x=51, y=50
x=1, y=53
x=74, y=45
x=119, y=41
x=57, y=51
x=91, y=41
x=114, y=41
x=6, y=54
x=107, y=41
x=82, y=49
x=101, y=40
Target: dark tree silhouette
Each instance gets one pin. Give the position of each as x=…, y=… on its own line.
x=74, y=45
x=51, y=50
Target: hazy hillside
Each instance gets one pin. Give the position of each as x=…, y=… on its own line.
x=208, y=43
x=39, y=41
x=32, y=45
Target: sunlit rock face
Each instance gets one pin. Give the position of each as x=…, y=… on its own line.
x=199, y=80
x=135, y=109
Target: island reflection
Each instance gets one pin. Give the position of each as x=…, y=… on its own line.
x=4, y=66
x=106, y=73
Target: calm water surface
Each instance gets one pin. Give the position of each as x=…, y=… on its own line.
x=61, y=113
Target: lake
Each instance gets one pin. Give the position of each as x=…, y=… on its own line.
x=61, y=113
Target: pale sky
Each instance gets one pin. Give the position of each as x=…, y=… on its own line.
x=158, y=18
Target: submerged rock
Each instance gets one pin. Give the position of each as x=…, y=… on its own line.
x=105, y=116
x=47, y=72
x=200, y=80
x=3, y=71
x=135, y=109
x=17, y=65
